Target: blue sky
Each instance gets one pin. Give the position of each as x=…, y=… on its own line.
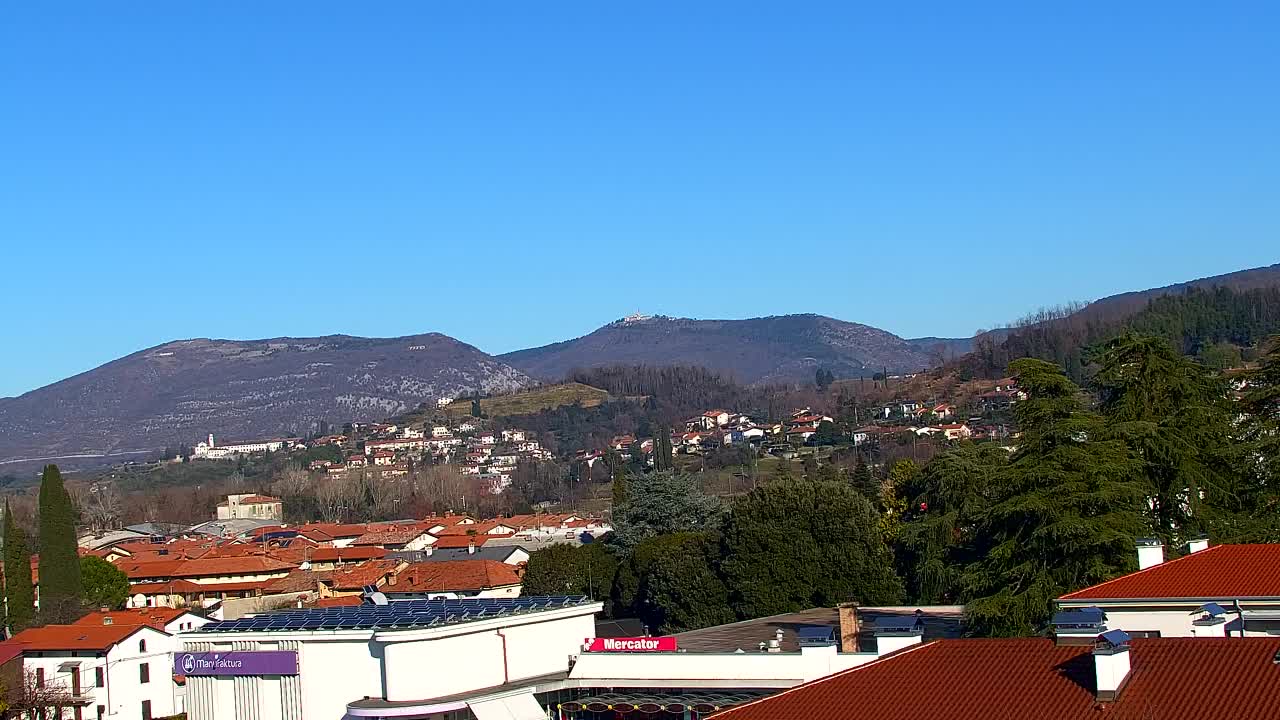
x=518, y=173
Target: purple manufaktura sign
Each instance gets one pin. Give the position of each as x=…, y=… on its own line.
x=267, y=662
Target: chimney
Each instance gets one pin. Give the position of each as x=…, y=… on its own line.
x=1078, y=626
x=1150, y=553
x=429, y=550
x=848, y=627
x=895, y=632
x=1110, y=664
x=1198, y=543
x=1211, y=623
x=775, y=645
x=471, y=548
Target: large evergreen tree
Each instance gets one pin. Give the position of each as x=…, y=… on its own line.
x=659, y=503
x=800, y=543
x=19, y=595
x=944, y=504
x=1065, y=514
x=677, y=586
x=1174, y=415
x=61, y=588
x=1258, y=519
x=105, y=585
x=564, y=569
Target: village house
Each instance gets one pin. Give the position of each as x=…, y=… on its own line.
x=251, y=506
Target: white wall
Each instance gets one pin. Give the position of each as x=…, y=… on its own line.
x=122, y=692
x=769, y=669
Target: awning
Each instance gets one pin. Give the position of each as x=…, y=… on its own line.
x=511, y=707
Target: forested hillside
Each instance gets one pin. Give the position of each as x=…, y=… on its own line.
x=1209, y=323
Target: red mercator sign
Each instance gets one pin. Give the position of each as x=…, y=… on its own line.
x=633, y=644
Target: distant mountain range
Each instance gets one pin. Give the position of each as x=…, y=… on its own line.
x=784, y=348
x=177, y=392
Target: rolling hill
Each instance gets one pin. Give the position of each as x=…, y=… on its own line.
x=784, y=348
x=177, y=392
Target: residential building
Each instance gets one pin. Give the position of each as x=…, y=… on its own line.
x=207, y=450
x=1231, y=590
x=1111, y=676
x=251, y=506
x=459, y=579
x=107, y=671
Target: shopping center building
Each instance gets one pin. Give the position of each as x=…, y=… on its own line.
x=503, y=659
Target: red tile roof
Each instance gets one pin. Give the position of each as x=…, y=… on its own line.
x=347, y=554
x=461, y=541
x=389, y=536
x=74, y=637
x=1019, y=679
x=456, y=575
x=251, y=565
x=136, y=570
x=175, y=587
x=355, y=577
x=258, y=500
x=1221, y=571
x=156, y=617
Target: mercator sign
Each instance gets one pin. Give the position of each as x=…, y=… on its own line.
x=633, y=644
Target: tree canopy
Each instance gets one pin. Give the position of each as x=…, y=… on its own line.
x=105, y=585
x=19, y=594
x=1065, y=512
x=801, y=543
x=659, y=503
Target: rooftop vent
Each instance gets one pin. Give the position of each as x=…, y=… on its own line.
x=1111, y=664
x=1150, y=552
x=1198, y=543
x=894, y=632
x=1212, y=621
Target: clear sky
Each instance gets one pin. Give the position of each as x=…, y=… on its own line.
x=515, y=173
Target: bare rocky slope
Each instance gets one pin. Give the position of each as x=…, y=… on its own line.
x=177, y=392
x=784, y=348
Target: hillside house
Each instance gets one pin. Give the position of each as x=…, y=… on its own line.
x=251, y=506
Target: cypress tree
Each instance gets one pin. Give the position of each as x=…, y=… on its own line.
x=61, y=588
x=19, y=597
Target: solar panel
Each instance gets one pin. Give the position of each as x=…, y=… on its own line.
x=1082, y=618
x=400, y=613
x=1113, y=638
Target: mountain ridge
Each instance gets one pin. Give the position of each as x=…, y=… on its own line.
x=175, y=392
x=775, y=348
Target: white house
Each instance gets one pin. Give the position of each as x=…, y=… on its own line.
x=1231, y=590
x=108, y=671
x=251, y=506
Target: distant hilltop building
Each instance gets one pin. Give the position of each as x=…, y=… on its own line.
x=635, y=318
x=251, y=507
x=208, y=450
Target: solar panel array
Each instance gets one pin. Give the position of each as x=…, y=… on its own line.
x=394, y=615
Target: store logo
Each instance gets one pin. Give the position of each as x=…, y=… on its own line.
x=188, y=663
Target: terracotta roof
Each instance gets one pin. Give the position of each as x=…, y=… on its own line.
x=296, y=581
x=461, y=541
x=251, y=565
x=178, y=587
x=1221, y=571
x=480, y=528
x=1017, y=679
x=355, y=577
x=332, y=530
x=156, y=617
x=456, y=575
x=390, y=536
x=136, y=570
x=258, y=500
x=9, y=650
x=74, y=637
x=347, y=554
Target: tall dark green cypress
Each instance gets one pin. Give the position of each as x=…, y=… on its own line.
x=61, y=588
x=19, y=597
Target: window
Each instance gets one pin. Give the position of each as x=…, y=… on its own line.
x=146, y=710
x=98, y=679
x=144, y=673
x=102, y=711
x=39, y=677
x=75, y=681
x=142, y=646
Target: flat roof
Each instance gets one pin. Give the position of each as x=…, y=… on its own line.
x=395, y=615
x=940, y=621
